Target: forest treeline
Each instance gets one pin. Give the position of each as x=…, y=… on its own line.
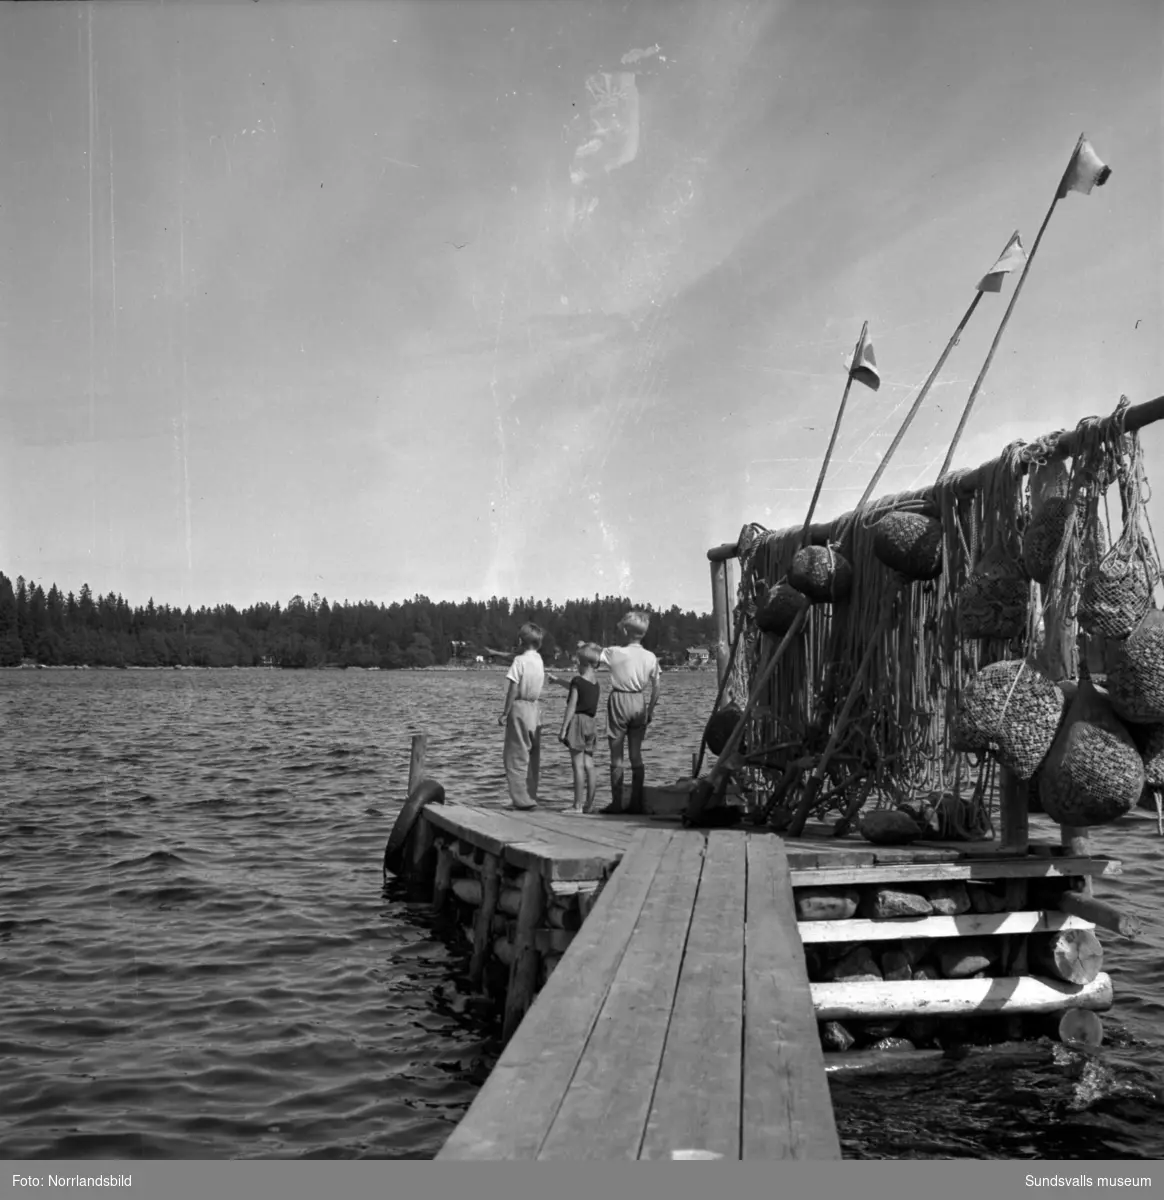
x=104, y=631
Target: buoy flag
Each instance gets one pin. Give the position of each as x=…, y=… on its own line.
x=1085, y=171
x=863, y=368
x=1009, y=260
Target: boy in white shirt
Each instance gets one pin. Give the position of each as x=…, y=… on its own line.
x=521, y=717
x=634, y=693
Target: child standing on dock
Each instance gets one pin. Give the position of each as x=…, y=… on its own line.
x=521, y=717
x=578, y=734
x=634, y=693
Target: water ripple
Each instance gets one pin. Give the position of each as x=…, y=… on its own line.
x=197, y=959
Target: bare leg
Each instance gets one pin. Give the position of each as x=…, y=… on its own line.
x=579, y=767
x=591, y=781
x=634, y=740
x=616, y=773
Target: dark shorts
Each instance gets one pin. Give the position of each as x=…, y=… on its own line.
x=625, y=710
x=581, y=736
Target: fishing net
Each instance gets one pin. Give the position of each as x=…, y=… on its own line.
x=822, y=573
x=901, y=633
x=910, y=543
x=1094, y=773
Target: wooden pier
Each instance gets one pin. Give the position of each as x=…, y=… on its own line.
x=679, y=1019
x=666, y=989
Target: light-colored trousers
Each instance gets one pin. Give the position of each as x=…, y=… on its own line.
x=521, y=772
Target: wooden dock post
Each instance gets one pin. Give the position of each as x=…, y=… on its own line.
x=416, y=762
x=445, y=862
x=721, y=607
x=483, y=928
x=1014, y=812
x=523, y=974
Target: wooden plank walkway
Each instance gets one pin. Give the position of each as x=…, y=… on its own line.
x=679, y=1018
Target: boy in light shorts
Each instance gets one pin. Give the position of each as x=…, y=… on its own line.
x=634, y=693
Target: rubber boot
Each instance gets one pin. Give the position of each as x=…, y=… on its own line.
x=615, y=806
x=638, y=776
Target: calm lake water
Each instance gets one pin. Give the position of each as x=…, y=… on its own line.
x=198, y=958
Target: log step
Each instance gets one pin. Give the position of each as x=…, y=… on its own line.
x=966, y=925
x=868, y=1000
x=1000, y=868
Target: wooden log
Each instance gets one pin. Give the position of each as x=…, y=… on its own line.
x=1072, y=955
x=964, y=482
x=523, y=974
x=721, y=607
x=483, y=928
x=468, y=891
x=416, y=761
x=898, y=873
x=1079, y=1025
x=560, y=917
x=442, y=877
x=1100, y=913
x=503, y=951
x=926, y=928
x=1014, y=812
x=952, y=997
x=1077, y=844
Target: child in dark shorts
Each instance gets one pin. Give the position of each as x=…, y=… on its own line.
x=578, y=733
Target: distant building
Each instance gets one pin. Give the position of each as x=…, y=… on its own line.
x=698, y=656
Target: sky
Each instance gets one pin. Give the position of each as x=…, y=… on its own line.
x=543, y=297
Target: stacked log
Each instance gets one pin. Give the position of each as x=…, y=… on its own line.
x=924, y=989
x=517, y=923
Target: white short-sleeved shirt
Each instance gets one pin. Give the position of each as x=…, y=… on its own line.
x=631, y=667
x=529, y=673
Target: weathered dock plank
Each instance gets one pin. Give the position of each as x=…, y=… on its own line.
x=966, y=925
x=787, y=1111
x=971, y=868
x=605, y=1108
x=697, y=1103
x=670, y=1023
x=555, y=856
x=512, y=1114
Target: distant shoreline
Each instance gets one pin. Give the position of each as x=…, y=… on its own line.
x=465, y=670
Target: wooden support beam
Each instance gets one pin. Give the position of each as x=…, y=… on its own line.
x=523, y=975
x=966, y=925
x=443, y=877
x=416, y=762
x=956, y=997
x=1014, y=813
x=483, y=924
x=721, y=607
x=1104, y=915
